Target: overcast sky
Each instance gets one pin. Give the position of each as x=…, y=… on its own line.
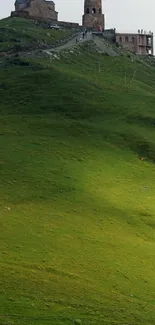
x=124, y=15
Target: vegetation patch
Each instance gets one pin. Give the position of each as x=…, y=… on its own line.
x=18, y=34
x=77, y=212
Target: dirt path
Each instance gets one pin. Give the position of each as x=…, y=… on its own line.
x=71, y=43
x=101, y=43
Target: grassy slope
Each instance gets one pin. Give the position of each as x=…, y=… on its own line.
x=77, y=197
x=18, y=33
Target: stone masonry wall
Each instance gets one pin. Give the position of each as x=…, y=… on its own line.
x=36, y=8
x=93, y=17
x=40, y=8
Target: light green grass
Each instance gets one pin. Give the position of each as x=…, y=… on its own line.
x=77, y=188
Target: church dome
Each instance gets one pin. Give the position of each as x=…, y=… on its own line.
x=21, y=4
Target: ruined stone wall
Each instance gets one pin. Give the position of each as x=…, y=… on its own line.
x=67, y=24
x=21, y=14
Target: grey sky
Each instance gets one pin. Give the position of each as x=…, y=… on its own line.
x=124, y=15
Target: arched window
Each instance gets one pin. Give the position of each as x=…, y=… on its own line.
x=87, y=11
x=133, y=40
x=126, y=39
x=120, y=39
x=93, y=11
x=100, y=11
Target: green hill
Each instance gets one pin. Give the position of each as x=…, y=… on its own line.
x=17, y=34
x=77, y=213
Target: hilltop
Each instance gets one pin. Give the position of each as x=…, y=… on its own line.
x=77, y=171
x=18, y=34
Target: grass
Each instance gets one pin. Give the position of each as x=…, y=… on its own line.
x=17, y=34
x=77, y=190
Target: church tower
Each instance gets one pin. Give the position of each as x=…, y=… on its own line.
x=93, y=16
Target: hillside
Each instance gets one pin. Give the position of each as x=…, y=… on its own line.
x=77, y=170
x=17, y=34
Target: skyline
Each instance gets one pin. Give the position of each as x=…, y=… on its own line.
x=120, y=14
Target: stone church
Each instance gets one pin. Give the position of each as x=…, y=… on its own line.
x=36, y=9
x=93, y=17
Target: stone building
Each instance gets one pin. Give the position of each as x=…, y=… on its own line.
x=93, y=16
x=36, y=9
x=140, y=43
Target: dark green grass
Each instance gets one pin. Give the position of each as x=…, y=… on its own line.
x=77, y=191
x=20, y=34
